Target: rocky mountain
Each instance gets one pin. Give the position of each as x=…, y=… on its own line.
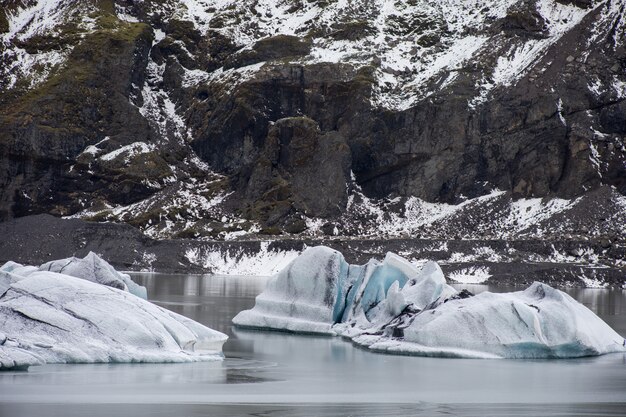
x=226, y=119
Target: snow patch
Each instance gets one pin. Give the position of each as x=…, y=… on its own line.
x=528, y=212
x=128, y=151
x=471, y=275
x=265, y=262
x=481, y=253
x=591, y=281
x=619, y=86
x=39, y=18
x=594, y=157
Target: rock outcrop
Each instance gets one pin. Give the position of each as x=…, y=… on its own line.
x=187, y=119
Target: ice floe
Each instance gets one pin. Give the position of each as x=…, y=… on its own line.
x=81, y=311
x=394, y=307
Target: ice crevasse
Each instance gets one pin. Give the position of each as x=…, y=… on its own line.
x=84, y=311
x=394, y=307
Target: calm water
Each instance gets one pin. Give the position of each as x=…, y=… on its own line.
x=275, y=374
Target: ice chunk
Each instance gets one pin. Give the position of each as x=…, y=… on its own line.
x=95, y=269
x=393, y=268
x=303, y=296
x=5, y=281
x=319, y=289
x=376, y=296
x=18, y=269
x=428, y=288
x=48, y=317
x=10, y=266
x=394, y=307
x=14, y=358
x=7, y=278
x=540, y=322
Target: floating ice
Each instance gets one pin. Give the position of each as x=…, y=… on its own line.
x=302, y=297
x=393, y=307
x=51, y=317
x=95, y=269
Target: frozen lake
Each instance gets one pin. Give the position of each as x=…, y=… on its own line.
x=277, y=374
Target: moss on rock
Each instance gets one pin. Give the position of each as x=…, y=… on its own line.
x=352, y=31
x=4, y=22
x=272, y=48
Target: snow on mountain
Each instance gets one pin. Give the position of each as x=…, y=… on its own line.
x=202, y=90
x=412, y=44
x=43, y=19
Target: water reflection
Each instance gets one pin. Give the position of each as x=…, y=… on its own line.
x=212, y=300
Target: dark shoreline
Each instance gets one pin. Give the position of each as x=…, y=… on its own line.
x=40, y=238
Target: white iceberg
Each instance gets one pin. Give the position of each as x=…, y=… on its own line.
x=393, y=307
x=95, y=269
x=49, y=317
x=303, y=296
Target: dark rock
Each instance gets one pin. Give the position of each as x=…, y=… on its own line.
x=351, y=31
x=464, y=293
x=269, y=49
x=397, y=332
x=41, y=136
x=299, y=168
x=295, y=226
x=524, y=20
x=4, y=23
x=583, y=4
x=329, y=229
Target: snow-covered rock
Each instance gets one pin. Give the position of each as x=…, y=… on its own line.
x=510, y=64
x=52, y=317
x=393, y=307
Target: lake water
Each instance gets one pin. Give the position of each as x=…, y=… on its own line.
x=278, y=374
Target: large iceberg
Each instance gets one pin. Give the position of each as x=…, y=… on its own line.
x=394, y=307
x=52, y=317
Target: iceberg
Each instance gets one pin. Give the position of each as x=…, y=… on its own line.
x=303, y=296
x=95, y=269
x=394, y=307
x=53, y=317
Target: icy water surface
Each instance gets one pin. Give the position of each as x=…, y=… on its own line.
x=277, y=374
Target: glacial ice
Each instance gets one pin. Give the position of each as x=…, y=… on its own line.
x=95, y=269
x=394, y=307
x=52, y=317
x=302, y=297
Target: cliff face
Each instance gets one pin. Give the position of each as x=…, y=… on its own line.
x=223, y=119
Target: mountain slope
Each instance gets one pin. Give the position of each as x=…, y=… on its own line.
x=368, y=117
